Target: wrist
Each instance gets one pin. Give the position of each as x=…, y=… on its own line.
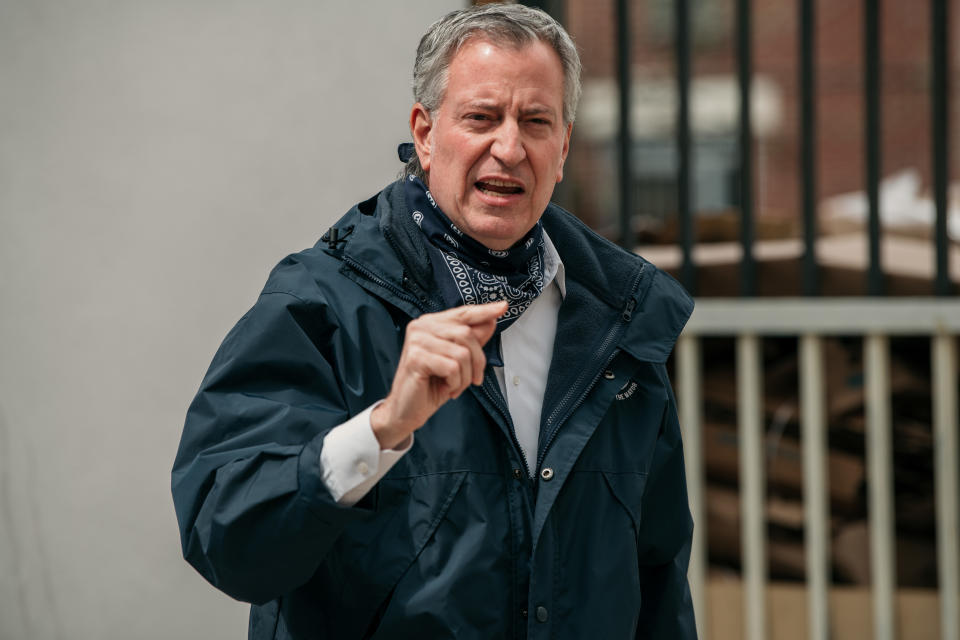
x=385, y=429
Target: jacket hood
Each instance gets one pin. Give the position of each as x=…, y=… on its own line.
x=654, y=305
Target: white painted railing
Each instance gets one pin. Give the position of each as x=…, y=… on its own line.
x=809, y=319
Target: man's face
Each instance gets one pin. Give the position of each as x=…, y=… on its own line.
x=495, y=147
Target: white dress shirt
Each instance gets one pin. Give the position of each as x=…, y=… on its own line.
x=351, y=459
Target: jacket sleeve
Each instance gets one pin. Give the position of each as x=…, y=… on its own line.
x=666, y=609
x=255, y=516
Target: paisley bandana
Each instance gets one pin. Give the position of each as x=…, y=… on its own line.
x=467, y=272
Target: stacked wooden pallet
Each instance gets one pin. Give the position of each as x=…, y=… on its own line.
x=913, y=460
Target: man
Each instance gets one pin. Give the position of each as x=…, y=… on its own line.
x=451, y=418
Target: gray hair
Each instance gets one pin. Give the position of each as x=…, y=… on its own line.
x=504, y=24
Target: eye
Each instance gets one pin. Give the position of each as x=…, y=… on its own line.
x=540, y=121
x=478, y=116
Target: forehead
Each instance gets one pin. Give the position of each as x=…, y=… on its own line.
x=482, y=64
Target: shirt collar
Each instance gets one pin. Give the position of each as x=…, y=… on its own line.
x=553, y=266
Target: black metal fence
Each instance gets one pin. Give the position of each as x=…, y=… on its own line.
x=807, y=68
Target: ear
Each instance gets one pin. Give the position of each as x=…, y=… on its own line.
x=420, y=126
x=564, y=151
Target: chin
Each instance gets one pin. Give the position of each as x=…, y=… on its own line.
x=501, y=239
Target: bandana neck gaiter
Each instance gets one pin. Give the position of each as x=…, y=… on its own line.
x=466, y=272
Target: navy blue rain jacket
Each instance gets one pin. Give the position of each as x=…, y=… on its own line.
x=456, y=541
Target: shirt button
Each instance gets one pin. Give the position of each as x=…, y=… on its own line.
x=517, y=474
x=547, y=474
x=523, y=612
x=608, y=374
x=516, y=381
x=363, y=468
x=542, y=614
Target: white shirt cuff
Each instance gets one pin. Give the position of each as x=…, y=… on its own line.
x=351, y=461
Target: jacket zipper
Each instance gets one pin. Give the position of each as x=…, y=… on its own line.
x=505, y=413
x=369, y=275
x=625, y=317
x=551, y=420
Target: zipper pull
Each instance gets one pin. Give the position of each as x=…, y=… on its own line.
x=333, y=237
x=628, y=311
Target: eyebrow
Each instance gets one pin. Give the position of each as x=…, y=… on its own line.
x=536, y=111
x=486, y=105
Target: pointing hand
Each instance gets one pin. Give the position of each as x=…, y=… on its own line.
x=442, y=356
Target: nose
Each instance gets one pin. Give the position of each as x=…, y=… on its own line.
x=507, y=145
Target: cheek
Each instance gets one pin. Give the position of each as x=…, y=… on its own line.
x=456, y=164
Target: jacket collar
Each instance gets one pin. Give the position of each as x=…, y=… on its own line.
x=652, y=304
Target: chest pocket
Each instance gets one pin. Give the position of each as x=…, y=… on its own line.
x=626, y=435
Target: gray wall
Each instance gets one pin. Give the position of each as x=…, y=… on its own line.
x=156, y=159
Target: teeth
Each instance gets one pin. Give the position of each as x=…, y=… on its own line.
x=496, y=193
x=501, y=183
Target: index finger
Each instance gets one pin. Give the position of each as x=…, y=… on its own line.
x=480, y=313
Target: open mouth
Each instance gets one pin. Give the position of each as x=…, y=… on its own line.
x=498, y=187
